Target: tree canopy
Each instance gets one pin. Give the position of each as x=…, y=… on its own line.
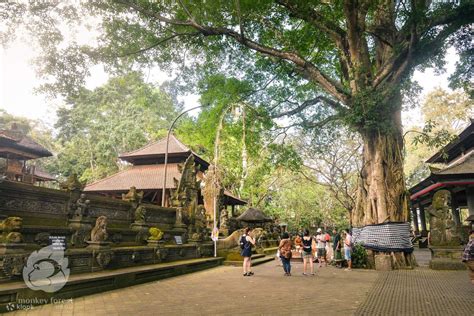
x=308, y=62
x=96, y=126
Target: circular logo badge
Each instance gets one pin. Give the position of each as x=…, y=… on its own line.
x=46, y=270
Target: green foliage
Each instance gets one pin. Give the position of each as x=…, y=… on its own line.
x=445, y=114
x=244, y=172
x=359, y=257
x=288, y=52
x=303, y=204
x=98, y=125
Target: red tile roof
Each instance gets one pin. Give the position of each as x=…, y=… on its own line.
x=143, y=177
x=158, y=148
x=43, y=175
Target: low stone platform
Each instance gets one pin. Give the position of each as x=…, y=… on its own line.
x=84, y=284
x=256, y=260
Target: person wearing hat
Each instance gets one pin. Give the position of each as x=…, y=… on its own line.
x=321, y=247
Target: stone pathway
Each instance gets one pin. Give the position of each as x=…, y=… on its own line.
x=420, y=292
x=223, y=291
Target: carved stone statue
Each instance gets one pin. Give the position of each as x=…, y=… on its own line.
x=72, y=184
x=133, y=196
x=99, y=232
x=443, y=230
x=200, y=219
x=223, y=223
x=223, y=219
x=10, y=228
x=140, y=214
x=81, y=207
x=186, y=193
x=211, y=189
x=155, y=233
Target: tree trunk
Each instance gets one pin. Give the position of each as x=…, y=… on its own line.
x=381, y=195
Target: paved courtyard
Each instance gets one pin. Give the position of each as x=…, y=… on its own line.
x=223, y=291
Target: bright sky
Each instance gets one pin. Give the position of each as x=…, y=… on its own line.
x=18, y=81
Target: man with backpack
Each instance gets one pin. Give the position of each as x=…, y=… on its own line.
x=246, y=243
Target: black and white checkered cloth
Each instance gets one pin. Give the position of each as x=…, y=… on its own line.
x=384, y=237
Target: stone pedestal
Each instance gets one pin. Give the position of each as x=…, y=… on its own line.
x=155, y=243
x=383, y=262
x=446, y=258
x=81, y=227
x=98, y=245
x=12, y=248
x=12, y=260
x=142, y=231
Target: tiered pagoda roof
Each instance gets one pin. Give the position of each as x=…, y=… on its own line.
x=458, y=169
x=148, y=169
x=15, y=145
x=154, y=153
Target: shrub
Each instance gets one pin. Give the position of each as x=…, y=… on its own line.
x=359, y=257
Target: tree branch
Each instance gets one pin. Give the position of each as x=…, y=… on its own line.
x=322, y=123
x=309, y=70
x=164, y=40
x=337, y=34
x=306, y=104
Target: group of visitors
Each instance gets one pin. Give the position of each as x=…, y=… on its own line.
x=307, y=246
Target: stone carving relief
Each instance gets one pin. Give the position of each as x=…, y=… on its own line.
x=15, y=204
x=104, y=258
x=80, y=236
x=42, y=238
x=13, y=265
x=80, y=208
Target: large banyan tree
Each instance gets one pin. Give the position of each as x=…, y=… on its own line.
x=315, y=61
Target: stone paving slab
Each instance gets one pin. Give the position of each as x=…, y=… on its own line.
x=224, y=291
x=420, y=292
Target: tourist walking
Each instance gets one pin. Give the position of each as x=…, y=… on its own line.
x=285, y=253
x=468, y=256
x=336, y=247
x=348, y=249
x=246, y=243
x=321, y=247
x=307, y=252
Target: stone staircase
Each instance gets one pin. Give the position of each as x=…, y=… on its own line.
x=256, y=260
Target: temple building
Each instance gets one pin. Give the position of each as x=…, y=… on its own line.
x=17, y=155
x=456, y=175
x=147, y=171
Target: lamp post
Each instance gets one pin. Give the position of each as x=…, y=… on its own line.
x=163, y=195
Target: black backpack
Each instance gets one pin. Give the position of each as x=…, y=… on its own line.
x=243, y=242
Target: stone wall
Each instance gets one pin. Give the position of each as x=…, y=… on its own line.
x=48, y=207
x=47, y=212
